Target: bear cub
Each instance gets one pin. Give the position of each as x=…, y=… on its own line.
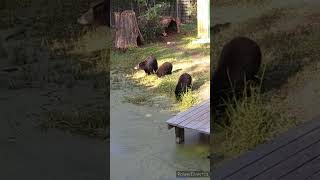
x=164, y=69
x=239, y=63
x=183, y=84
x=150, y=65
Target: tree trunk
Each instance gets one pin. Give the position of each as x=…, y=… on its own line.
x=127, y=30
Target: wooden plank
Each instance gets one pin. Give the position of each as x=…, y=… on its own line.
x=196, y=120
x=194, y=117
x=202, y=120
x=181, y=116
x=198, y=116
x=208, y=130
x=284, y=168
x=199, y=125
x=188, y=117
x=232, y=167
x=315, y=176
x=305, y=171
x=204, y=128
x=262, y=165
x=185, y=115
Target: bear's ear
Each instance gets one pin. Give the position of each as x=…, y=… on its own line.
x=142, y=63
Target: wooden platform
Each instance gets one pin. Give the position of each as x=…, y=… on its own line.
x=295, y=155
x=196, y=118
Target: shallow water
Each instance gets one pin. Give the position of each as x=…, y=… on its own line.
x=142, y=147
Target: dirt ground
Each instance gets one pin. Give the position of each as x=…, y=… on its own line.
x=47, y=64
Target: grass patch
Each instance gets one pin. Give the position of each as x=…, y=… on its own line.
x=188, y=99
x=167, y=85
x=253, y=121
x=185, y=57
x=256, y=119
x=138, y=99
x=92, y=124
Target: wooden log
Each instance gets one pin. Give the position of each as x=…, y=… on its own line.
x=179, y=135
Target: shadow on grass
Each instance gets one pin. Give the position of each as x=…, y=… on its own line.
x=283, y=53
x=52, y=25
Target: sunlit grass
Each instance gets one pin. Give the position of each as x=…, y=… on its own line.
x=185, y=57
x=188, y=99
x=253, y=121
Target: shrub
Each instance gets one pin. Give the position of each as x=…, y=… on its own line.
x=149, y=22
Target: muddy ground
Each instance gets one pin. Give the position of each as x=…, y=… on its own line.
x=50, y=66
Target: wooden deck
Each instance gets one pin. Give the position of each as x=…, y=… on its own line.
x=196, y=118
x=295, y=155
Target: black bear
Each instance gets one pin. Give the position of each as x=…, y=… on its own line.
x=150, y=65
x=164, y=69
x=183, y=84
x=239, y=63
x=219, y=27
x=98, y=14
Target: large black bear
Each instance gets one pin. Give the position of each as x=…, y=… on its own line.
x=219, y=27
x=183, y=84
x=164, y=69
x=239, y=63
x=150, y=65
x=98, y=14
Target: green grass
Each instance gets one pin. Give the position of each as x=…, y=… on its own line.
x=181, y=54
x=137, y=99
x=69, y=51
x=92, y=124
x=264, y=115
x=168, y=84
x=253, y=120
x=188, y=99
x=253, y=123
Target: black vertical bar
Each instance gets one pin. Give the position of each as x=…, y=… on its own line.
x=108, y=12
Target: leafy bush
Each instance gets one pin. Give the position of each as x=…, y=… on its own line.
x=149, y=21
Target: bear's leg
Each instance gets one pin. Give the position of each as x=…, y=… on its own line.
x=147, y=72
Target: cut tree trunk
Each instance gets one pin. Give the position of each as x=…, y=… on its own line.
x=127, y=30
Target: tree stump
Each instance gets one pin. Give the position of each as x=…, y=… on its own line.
x=127, y=30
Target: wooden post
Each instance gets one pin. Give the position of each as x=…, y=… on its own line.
x=179, y=135
x=203, y=19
